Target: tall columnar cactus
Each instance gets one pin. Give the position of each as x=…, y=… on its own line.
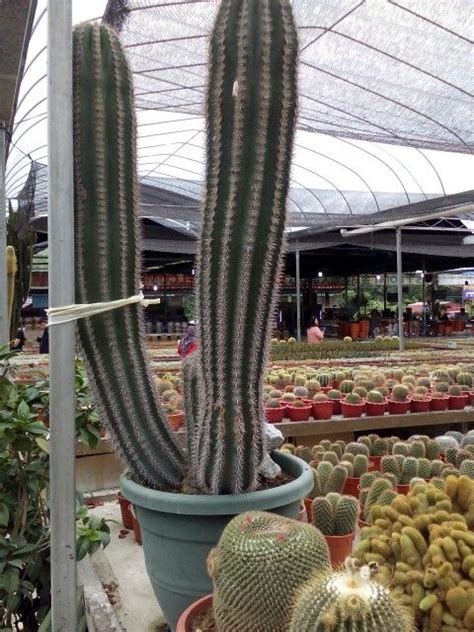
x=11, y=274
x=348, y=601
x=108, y=256
x=251, y=110
x=259, y=563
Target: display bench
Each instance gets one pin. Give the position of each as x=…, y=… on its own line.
x=311, y=432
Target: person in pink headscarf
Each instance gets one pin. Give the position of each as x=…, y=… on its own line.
x=189, y=343
x=314, y=334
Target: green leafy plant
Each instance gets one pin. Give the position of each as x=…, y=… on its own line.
x=24, y=511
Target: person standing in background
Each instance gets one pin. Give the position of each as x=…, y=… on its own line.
x=314, y=334
x=44, y=338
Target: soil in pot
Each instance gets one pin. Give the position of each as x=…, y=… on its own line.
x=197, y=617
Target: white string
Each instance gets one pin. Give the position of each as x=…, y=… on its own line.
x=69, y=313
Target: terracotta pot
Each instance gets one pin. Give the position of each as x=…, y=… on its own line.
x=376, y=463
x=186, y=620
x=275, y=415
x=351, y=486
x=417, y=406
x=299, y=414
x=336, y=406
x=352, y=410
x=308, y=503
x=136, y=530
x=176, y=420
x=340, y=546
x=439, y=403
x=403, y=489
x=362, y=523
x=398, y=408
x=458, y=402
x=354, y=329
x=125, y=510
x=323, y=410
x=375, y=409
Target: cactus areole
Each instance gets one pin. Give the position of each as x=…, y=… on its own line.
x=250, y=113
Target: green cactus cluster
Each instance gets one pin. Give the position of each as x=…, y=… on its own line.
x=405, y=468
x=251, y=110
x=320, y=397
x=400, y=393
x=304, y=452
x=350, y=600
x=334, y=394
x=328, y=478
x=325, y=379
x=346, y=386
x=353, y=398
x=464, y=378
x=260, y=555
x=424, y=545
x=454, y=390
x=375, y=397
x=335, y=514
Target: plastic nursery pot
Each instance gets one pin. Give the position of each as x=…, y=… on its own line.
x=439, y=403
x=127, y=517
x=403, y=489
x=351, y=486
x=374, y=463
x=423, y=406
x=179, y=530
x=352, y=410
x=340, y=546
x=176, y=420
x=186, y=620
x=301, y=413
x=458, y=402
x=336, y=406
x=471, y=396
x=322, y=410
x=361, y=522
x=398, y=408
x=275, y=415
x=375, y=409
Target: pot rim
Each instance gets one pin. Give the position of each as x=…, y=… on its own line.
x=225, y=504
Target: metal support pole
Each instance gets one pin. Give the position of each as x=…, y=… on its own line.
x=61, y=292
x=423, y=313
x=4, y=324
x=400, y=289
x=298, y=297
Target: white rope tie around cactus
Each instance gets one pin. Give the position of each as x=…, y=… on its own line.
x=69, y=313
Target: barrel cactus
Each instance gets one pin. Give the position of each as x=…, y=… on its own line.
x=251, y=106
x=464, y=379
x=350, y=600
x=374, y=397
x=260, y=555
x=353, y=398
x=400, y=393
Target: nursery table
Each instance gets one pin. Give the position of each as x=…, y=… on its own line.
x=310, y=432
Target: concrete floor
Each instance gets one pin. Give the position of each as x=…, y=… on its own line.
x=121, y=569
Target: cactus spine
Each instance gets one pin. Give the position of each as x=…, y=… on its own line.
x=250, y=115
x=107, y=256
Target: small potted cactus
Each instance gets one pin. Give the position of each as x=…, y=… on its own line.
x=375, y=404
x=439, y=397
x=399, y=401
x=335, y=516
x=299, y=410
x=325, y=379
x=457, y=399
x=328, y=478
x=420, y=402
x=335, y=396
x=274, y=411
x=356, y=466
x=322, y=407
x=350, y=599
x=352, y=406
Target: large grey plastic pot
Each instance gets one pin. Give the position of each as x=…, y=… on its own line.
x=179, y=530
